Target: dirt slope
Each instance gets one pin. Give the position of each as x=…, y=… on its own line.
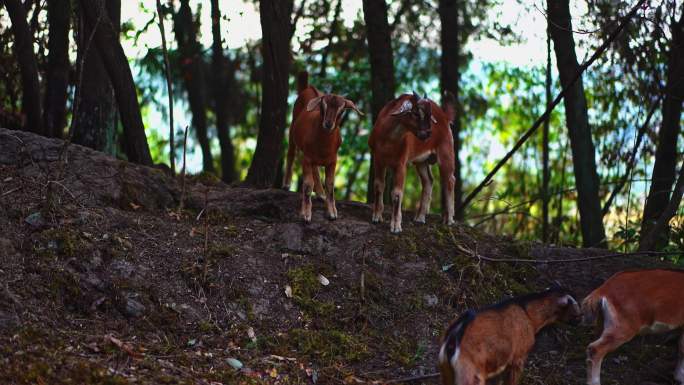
x=104, y=281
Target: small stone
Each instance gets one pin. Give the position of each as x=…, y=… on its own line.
x=431, y=300
x=134, y=308
x=35, y=220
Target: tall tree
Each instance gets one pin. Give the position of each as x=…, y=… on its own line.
x=59, y=14
x=223, y=84
x=450, y=75
x=378, y=34
x=31, y=105
x=583, y=153
x=106, y=41
x=96, y=121
x=276, y=27
x=666, y=151
x=194, y=78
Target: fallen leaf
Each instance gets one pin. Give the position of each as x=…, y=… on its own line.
x=288, y=291
x=251, y=334
x=324, y=281
x=273, y=373
x=124, y=346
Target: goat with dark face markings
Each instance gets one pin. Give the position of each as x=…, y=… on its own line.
x=495, y=341
x=411, y=129
x=315, y=131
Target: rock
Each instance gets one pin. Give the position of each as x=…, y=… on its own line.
x=431, y=300
x=35, y=220
x=6, y=247
x=134, y=308
x=291, y=236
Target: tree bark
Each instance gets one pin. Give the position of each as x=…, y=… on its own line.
x=194, y=79
x=546, y=174
x=583, y=153
x=223, y=84
x=31, y=105
x=450, y=75
x=95, y=123
x=106, y=40
x=54, y=120
x=378, y=34
x=651, y=240
x=276, y=27
x=666, y=151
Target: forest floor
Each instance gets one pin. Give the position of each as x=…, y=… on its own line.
x=104, y=281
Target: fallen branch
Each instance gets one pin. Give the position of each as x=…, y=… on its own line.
x=551, y=106
x=582, y=259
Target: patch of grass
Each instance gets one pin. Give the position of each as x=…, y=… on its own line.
x=305, y=289
x=327, y=345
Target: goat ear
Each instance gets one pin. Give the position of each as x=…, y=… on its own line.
x=405, y=107
x=313, y=104
x=567, y=300
x=349, y=104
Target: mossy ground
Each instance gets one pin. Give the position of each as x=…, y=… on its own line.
x=213, y=287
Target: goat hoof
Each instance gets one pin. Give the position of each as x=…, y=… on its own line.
x=419, y=220
x=332, y=217
x=395, y=230
x=377, y=219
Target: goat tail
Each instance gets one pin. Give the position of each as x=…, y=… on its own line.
x=591, y=308
x=451, y=347
x=302, y=81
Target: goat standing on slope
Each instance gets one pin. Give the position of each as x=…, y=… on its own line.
x=315, y=131
x=411, y=129
x=631, y=303
x=484, y=344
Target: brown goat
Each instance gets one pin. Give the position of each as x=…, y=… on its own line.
x=315, y=131
x=631, y=303
x=411, y=129
x=495, y=341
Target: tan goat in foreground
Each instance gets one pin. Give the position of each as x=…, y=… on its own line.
x=495, y=341
x=631, y=303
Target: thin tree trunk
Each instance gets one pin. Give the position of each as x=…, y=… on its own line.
x=106, y=39
x=378, y=34
x=666, y=151
x=583, y=153
x=650, y=240
x=222, y=89
x=331, y=34
x=59, y=14
x=23, y=47
x=546, y=175
x=192, y=68
x=451, y=73
x=96, y=122
x=169, y=89
x=276, y=26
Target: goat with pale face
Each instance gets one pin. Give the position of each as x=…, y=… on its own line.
x=315, y=131
x=632, y=303
x=495, y=341
x=411, y=129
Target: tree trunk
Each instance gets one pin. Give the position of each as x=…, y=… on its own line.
x=378, y=34
x=59, y=14
x=96, y=120
x=666, y=151
x=106, y=40
x=192, y=68
x=222, y=88
x=276, y=27
x=23, y=47
x=583, y=153
x=448, y=15
x=546, y=174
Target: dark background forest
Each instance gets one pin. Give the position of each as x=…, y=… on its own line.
x=601, y=171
